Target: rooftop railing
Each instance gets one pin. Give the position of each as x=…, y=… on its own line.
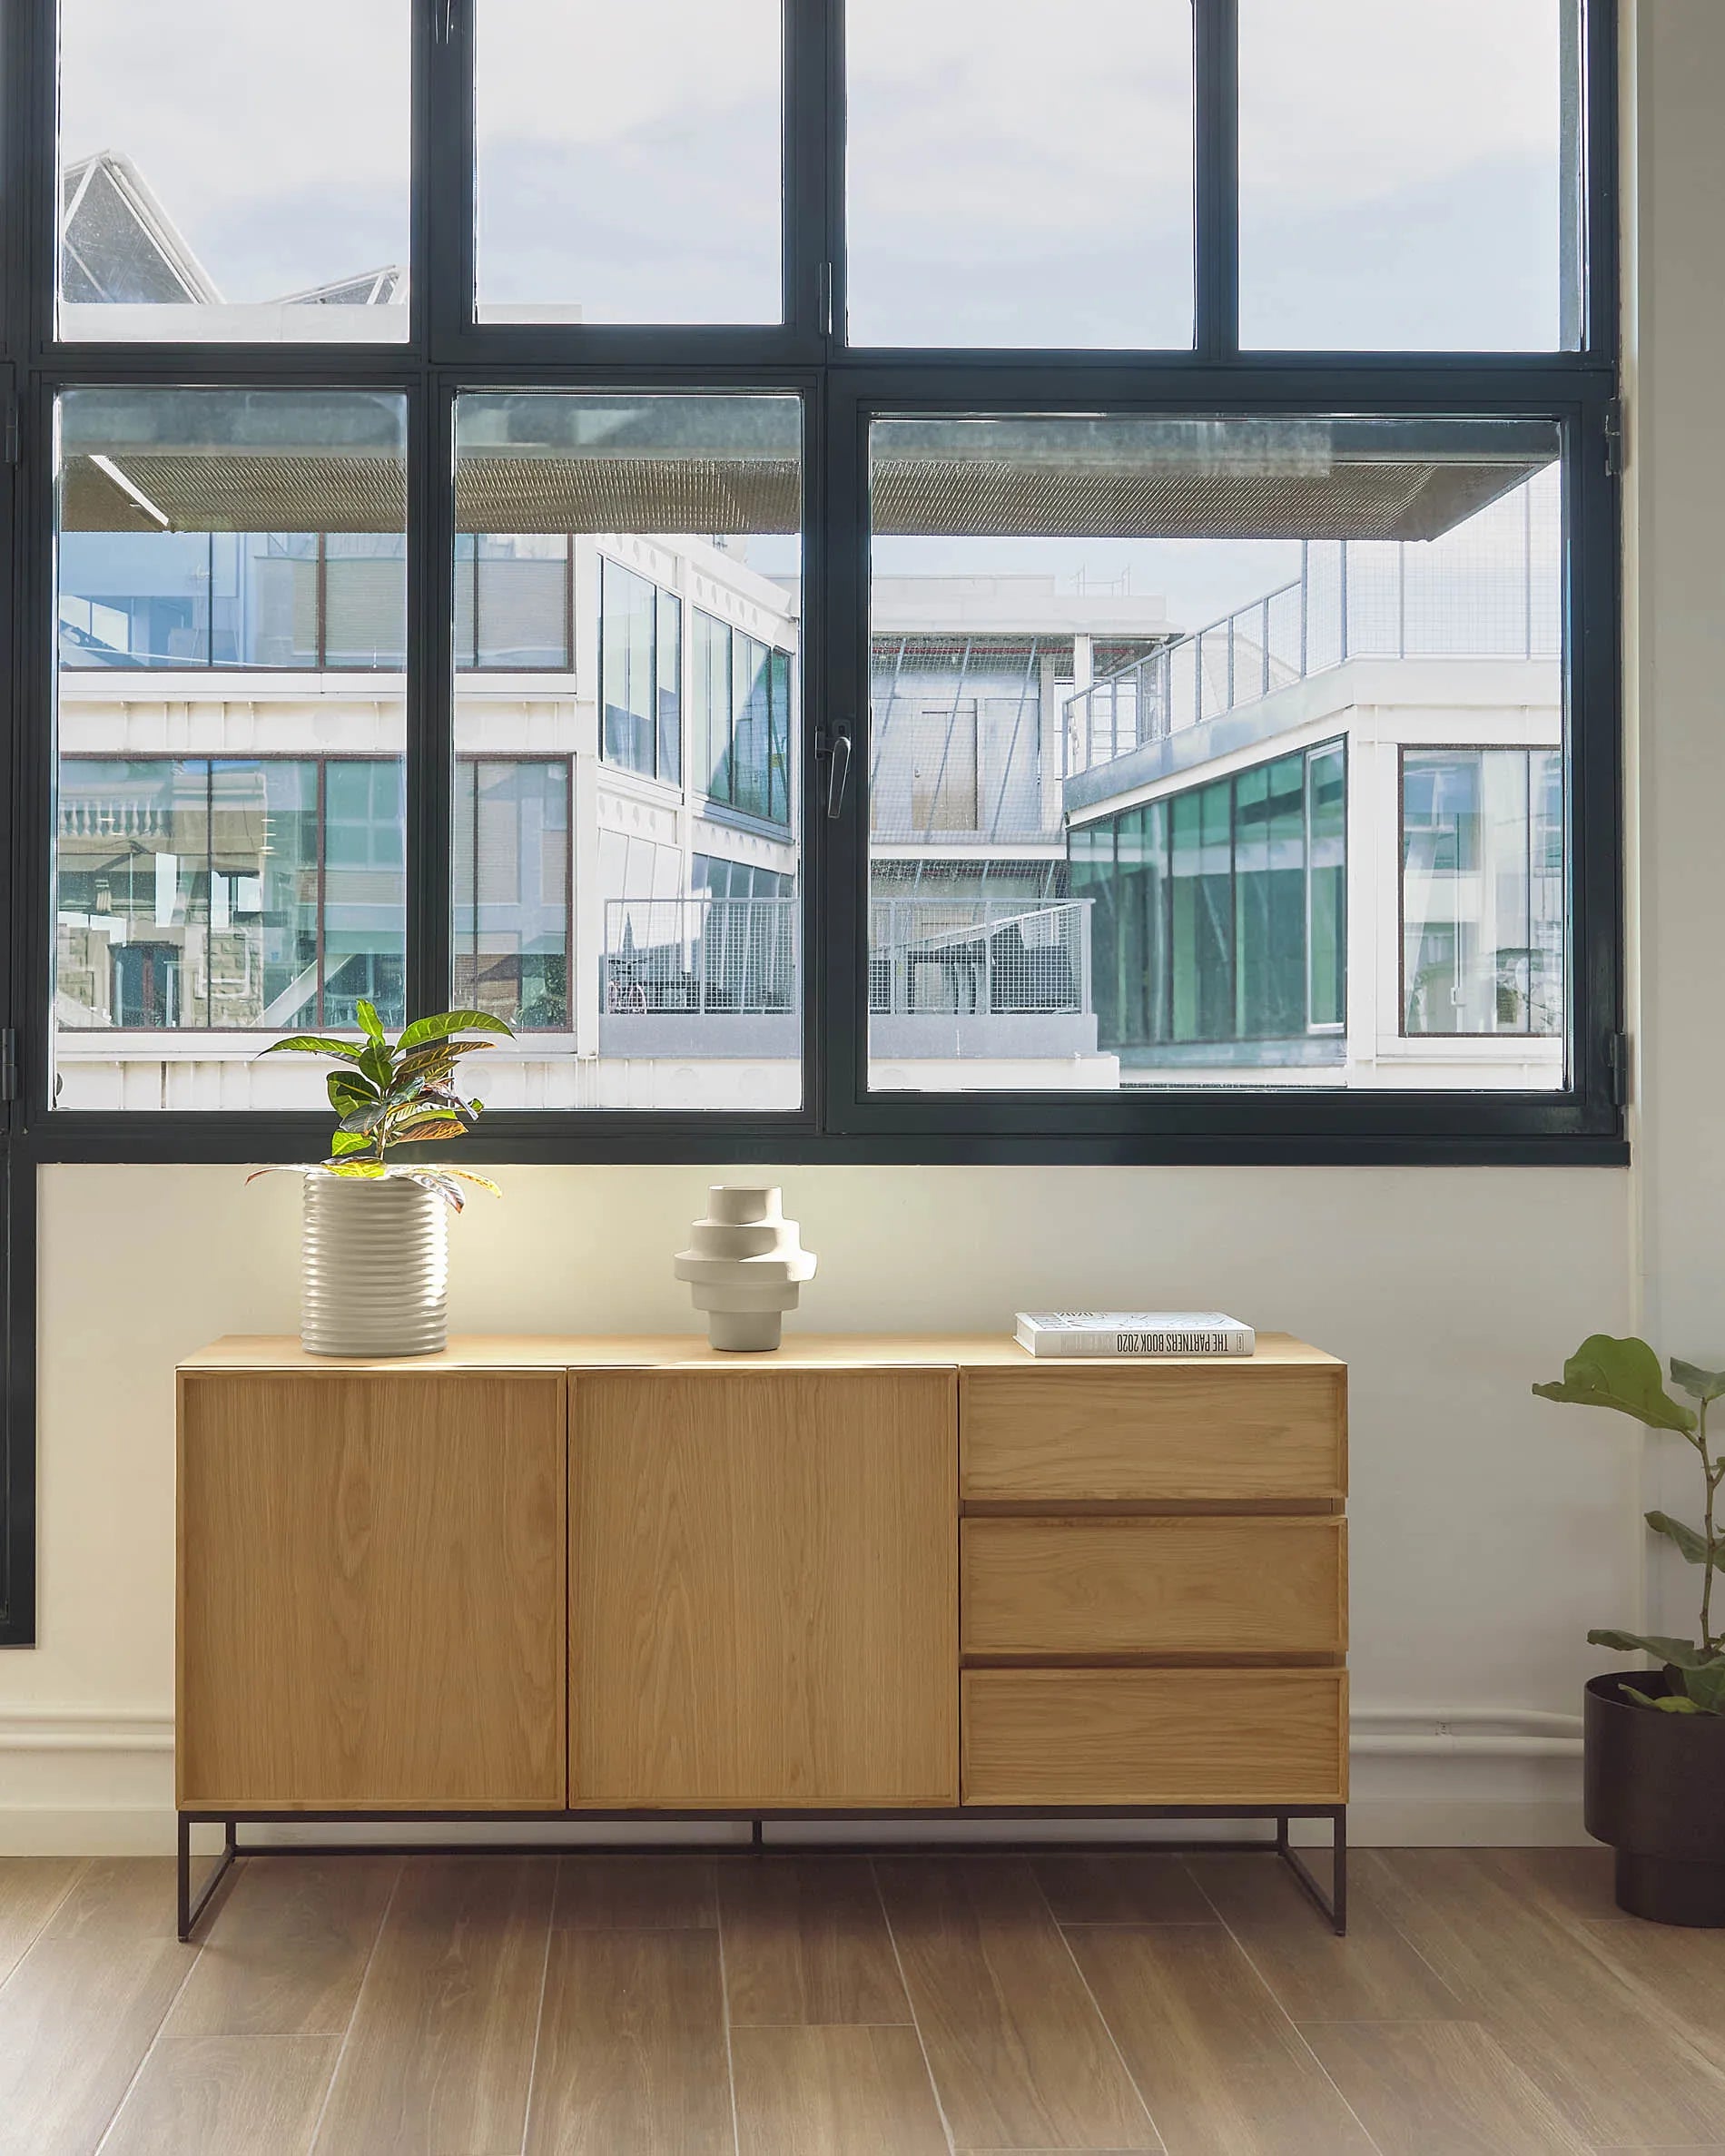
x=978, y=956
x=697, y=956
x=1490, y=589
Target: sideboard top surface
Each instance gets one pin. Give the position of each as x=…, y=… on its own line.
x=801, y=1351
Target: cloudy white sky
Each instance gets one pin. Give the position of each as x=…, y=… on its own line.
x=1020, y=170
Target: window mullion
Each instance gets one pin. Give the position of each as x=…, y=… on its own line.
x=1216, y=191
x=431, y=692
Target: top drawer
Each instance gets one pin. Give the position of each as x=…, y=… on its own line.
x=1264, y=1433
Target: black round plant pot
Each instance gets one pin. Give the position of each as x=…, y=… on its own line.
x=1654, y=1789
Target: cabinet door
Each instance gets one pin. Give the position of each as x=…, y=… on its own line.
x=372, y=1590
x=763, y=1589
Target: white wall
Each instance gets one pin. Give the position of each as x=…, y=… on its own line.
x=1489, y=1529
x=1675, y=277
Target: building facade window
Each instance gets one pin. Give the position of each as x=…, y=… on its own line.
x=742, y=720
x=512, y=890
x=640, y=674
x=1216, y=917
x=1482, y=891
x=514, y=603
x=227, y=894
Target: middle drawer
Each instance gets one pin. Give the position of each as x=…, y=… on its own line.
x=1176, y=1585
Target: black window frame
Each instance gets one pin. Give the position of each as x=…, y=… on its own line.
x=841, y=386
x=447, y=352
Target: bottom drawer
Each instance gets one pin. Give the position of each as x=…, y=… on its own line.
x=1131, y=1737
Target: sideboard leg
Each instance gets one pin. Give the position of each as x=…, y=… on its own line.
x=757, y=1836
x=189, y=1910
x=1333, y=1904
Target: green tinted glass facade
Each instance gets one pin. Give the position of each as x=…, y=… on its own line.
x=1218, y=915
x=742, y=720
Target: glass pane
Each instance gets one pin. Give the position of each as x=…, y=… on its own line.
x=629, y=161
x=234, y=172
x=627, y=870
x=1137, y=690
x=239, y=873
x=1481, y=891
x=1020, y=176
x=512, y=890
x=1409, y=176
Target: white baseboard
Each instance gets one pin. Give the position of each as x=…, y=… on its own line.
x=99, y=1782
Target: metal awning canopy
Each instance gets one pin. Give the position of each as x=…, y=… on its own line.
x=334, y=461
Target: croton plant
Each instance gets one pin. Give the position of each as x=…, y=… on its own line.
x=400, y=1093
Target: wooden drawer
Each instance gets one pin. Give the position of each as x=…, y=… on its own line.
x=1131, y=1736
x=1168, y=1586
x=1187, y=1432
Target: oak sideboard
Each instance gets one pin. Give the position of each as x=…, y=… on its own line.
x=545, y=1578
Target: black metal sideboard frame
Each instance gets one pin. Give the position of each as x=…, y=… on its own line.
x=1333, y=1905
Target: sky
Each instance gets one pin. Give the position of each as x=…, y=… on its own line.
x=1017, y=172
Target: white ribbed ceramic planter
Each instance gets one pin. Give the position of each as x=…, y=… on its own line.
x=375, y=1277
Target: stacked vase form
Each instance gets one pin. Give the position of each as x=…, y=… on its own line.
x=746, y=1264
x=376, y=1267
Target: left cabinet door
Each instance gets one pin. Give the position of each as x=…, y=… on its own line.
x=372, y=1590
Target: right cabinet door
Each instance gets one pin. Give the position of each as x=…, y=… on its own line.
x=763, y=1589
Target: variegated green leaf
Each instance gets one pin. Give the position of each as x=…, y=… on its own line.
x=312, y=1044
x=450, y=1022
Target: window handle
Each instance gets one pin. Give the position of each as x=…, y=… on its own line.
x=835, y=746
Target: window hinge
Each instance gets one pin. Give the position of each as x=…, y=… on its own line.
x=443, y=21
x=12, y=424
x=824, y=306
x=1616, y=441
x=8, y=1063
x=1617, y=1065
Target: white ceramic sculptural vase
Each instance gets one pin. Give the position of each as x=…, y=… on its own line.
x=746, y=1265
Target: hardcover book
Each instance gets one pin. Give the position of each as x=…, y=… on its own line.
x=1133, y=1333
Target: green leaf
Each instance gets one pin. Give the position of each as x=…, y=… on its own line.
x=1695, y=1547
x=451, y=1021
x=349, y=1090
x=1622, y=1374
x=366, y=1118
x=370, y=1169
x=313, y=1044
x=376, y=1061
x=349, y=1141
x=1666, y=1703
x=1699, y=1384
x=1681, y=1654
x=1706, y=1686
x=370, y=1023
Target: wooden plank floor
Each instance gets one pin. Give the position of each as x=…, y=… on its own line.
x=1490, y=2003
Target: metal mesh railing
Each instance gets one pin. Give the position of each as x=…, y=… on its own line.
x=1490, y=588
x=978, y=955
x=697, y=956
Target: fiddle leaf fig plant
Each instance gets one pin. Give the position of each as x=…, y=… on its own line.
x=402, y=1093
x=1624, y=1375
